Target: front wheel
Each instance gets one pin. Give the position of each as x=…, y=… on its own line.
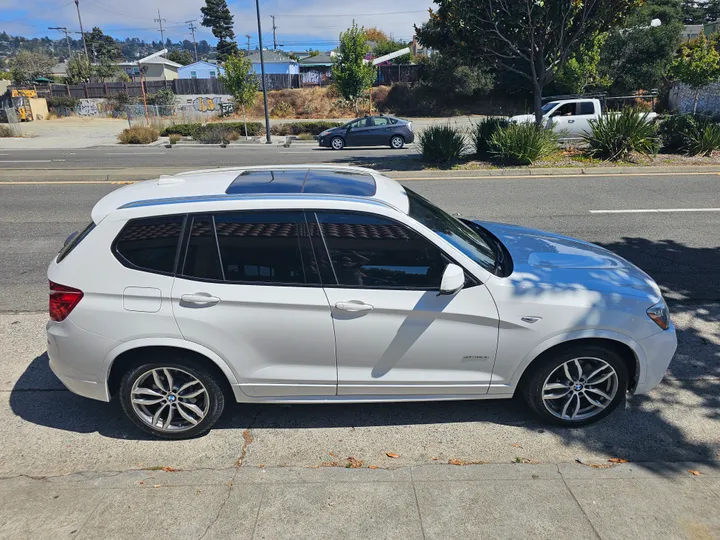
x=171, y=399
x=578, y=386
x=397, y=142
x=337, y=143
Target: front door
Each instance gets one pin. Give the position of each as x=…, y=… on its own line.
x=394, y=334
x=249, y=290
x=358, y=133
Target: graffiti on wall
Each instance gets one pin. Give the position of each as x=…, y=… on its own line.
x=89, y=107
x=319, y=77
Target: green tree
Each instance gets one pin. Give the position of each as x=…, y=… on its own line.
x=697, y=65
x=638, y=55
x=451, y=80
x=181, y=57
x=531, y=38
x=27, y=66
x=79, y=69
x=375, y=34
x=582, y=72
x=352, y=74
x=217, y=16
x=241, y=82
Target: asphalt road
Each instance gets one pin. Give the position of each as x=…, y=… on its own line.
x=47, y=430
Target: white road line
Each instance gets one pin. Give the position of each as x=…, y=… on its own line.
x=654, y=210
x=28, y=161
x=134, y=153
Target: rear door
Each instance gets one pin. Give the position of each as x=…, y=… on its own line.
x=381, y=131
x=248, y=288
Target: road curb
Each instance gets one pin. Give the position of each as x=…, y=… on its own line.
x=561, y=171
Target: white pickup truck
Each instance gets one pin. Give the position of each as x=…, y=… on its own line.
x=569, y=118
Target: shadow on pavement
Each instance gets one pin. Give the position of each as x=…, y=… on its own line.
x=380, y=162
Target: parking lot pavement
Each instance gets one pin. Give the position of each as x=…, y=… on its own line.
x=48, y=431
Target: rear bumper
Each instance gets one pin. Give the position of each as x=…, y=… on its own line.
x=659, y=351
x=76, y=358
x=410, y=138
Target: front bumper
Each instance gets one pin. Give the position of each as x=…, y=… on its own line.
x=76, y=358
x=324, y=141
x=659, y=351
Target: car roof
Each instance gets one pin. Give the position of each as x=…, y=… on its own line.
x=305, y=182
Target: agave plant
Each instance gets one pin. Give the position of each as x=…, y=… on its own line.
x=522, y=144
x=483, y=131
x=616, y=137
x=442, y=144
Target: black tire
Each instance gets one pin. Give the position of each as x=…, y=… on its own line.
x=337, y=143
x=397, y=145
x=178, y=365
x=532, y=390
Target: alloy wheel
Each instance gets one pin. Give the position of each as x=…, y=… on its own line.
x=397, y=142
x=580, y=388
x=337, y=143
x=169, y=399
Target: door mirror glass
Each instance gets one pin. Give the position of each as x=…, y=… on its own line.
x=453, y=279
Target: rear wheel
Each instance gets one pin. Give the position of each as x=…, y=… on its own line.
x=337, y=143
x=397, y=142
x=172, y=398
x=578, y=386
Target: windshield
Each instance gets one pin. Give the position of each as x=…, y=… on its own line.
x=453, y=230
x=549, y=107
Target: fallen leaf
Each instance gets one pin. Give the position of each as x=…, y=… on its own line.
x=261, y=465
x=332, y=454
x=694, y=472
x=618, y=460
x=373, y=467
x=435, y=458
x=456, y=462
x=229, y=484
x=329, y=464
x=460, y=462
x=170, y=469
x=142, y=482
x=353, y=463
x=392, y=455
x=156, y=485
x=516, y=445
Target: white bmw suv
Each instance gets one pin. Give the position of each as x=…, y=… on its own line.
x=319, y=284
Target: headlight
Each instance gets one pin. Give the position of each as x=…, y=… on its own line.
x=660, y=315
x=324, y=133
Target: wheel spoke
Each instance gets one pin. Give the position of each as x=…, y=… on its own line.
x=567, y=372
x=567, y=404
x=169, y=379
x=187, y=385
x=577, y=407
x=579, y=368
x=555, y=386
x=157, y=414
x=147, y=401
x=147, y=392
x=185, y=415
x=599, y=392
x=194, y=408
x=193, y=394
x=158, y=381
x=600, y=379
x=598, y=404
x=167, y=422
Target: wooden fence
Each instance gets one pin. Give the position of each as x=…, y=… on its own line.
x=386, y=75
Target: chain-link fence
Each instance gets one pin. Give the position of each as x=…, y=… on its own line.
x=161, y=116
x=9, y=116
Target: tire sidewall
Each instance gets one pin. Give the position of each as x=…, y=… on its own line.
x=533, y=389
x=332, y=145
x=215, y=395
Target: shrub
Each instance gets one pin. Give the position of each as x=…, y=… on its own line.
x=296, y=128
x=522, y=144
x=616, y=136
x=62, y=101
x=174, y=138
x=211, y=134
x=282, y=110
x=442, y=144
x=186, y=130
x=163, y=98
x=483, y=130
x=232, y=136
x=192, y=130
x=139, y=135
x=6, y=130
x=689, y=134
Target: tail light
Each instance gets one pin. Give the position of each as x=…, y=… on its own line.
x=63, y=300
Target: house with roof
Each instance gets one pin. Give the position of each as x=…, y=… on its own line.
x=156, y=68
x=316, y=70
x=276, y=63
x=200, y=70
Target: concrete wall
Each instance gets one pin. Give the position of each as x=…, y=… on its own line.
x=682, y=98
x=277, y=68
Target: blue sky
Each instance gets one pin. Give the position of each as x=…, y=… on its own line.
x=300, y=24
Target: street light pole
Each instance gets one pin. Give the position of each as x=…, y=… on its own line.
x=82, y=32
x=262, y=72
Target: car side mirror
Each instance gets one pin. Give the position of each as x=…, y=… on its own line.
x=453, y=279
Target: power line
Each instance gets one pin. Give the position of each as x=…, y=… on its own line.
x=67, y=38
x=160, y=20
x=315, y=16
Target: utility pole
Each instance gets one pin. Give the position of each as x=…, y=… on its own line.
x=274, y=35
x=192, y=28
x=82, y=32
x=67, y=39
x=248, y=40
x=262, y=72
x=160, y=20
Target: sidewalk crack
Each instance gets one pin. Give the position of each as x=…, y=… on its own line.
x=582, y=510
x=417, y=503
x=222, y=505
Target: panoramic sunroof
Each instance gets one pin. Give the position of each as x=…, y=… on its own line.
x=292, y=181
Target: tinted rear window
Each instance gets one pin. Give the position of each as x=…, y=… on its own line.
x=73, y=241
x=150, y=243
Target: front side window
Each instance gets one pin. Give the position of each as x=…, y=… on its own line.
x=454, y=231
x=150, y=243
x=380, y=121
x=376, y=252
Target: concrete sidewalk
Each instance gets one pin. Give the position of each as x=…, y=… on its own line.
x=655, y=500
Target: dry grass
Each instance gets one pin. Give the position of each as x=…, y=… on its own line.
x=304, y=102
x=6, y=130
x=174, y=138
x=139, y=135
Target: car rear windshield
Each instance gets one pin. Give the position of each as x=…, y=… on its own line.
x=73, y=240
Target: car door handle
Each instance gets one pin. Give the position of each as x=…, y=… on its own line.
x=203, y=299
x=354, y=306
